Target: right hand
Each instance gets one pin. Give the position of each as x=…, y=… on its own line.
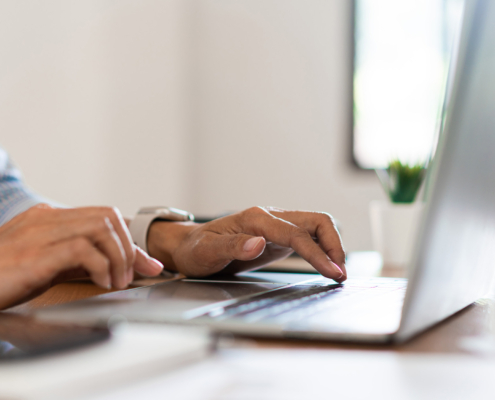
x=44, y=245
x=219, y=246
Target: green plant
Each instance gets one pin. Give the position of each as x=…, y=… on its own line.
x=402, y=181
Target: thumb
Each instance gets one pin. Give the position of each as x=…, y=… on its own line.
x=241, y=246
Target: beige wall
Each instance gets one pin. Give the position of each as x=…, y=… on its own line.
x=93, y=99
x=211, y=105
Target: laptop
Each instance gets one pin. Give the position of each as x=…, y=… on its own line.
x=453, y=260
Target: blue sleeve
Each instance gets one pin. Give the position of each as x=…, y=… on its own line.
x=14, y=196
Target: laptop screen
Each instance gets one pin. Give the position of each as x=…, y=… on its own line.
x=455, y=253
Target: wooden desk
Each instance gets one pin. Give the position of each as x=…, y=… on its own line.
x=447, y=337
x=401, y=375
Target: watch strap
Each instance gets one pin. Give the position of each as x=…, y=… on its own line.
x=140, y=225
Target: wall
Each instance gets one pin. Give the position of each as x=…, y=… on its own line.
x=272, y=111
x=93, y=99
x=210, y=105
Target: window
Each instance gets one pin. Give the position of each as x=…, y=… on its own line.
x=401, y=59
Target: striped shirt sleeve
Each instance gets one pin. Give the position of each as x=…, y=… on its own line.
x=15, y=197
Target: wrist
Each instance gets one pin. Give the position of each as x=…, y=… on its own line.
x=165, y=237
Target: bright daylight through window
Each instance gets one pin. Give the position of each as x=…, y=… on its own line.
x=402, y=54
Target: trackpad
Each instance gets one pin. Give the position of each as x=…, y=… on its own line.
x=260, y=277
x=169, y=301
x=220, y=288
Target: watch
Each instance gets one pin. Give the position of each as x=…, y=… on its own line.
x=141, y=223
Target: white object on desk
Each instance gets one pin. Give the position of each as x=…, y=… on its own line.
x=259, y=374
x=359, y=263
x=394, y=228
x=136, y=351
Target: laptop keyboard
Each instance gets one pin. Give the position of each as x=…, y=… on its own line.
x=272, y=303
x=294, y=303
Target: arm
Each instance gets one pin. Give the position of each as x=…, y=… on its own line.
x=41, y=245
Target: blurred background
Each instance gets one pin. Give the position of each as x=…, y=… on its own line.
x=218, y=105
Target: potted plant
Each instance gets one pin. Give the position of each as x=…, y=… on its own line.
x=394, y=223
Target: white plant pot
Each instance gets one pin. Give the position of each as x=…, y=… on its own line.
x=394, y=228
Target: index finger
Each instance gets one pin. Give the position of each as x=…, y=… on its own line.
x=259, y=222
x=319, y=225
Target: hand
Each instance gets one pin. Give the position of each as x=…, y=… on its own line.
x=249, y=240
x=44, y=246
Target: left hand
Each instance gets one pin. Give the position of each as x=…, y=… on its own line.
x=248, y=240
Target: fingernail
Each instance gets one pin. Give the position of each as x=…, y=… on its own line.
x=252, y=243
x=106, y=283
x=337, y=270
x=155, y=263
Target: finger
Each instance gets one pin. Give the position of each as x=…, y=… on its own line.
x=259, y=222
x=100, y=231
x=113, y=214
x=121, y=229
x=103, y=225
x=78, y=252
x=146, y=265
x=222, y=249
x=319, y=225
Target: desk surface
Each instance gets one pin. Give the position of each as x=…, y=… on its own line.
x=447, y=337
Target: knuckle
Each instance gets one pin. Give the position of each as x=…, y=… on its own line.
x=326, y=217
x=113, y=212
x=257, y=210
x=250, y=215
x=254, y=214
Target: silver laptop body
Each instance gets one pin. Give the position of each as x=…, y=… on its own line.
x=454, y=257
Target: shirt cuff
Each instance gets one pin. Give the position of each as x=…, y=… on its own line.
x=15, y=199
